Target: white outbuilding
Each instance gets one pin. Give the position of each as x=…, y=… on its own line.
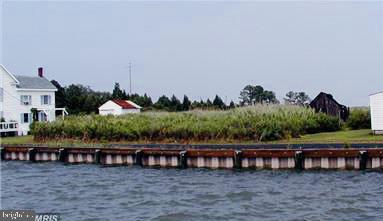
x=376, y=108
x=119, y=107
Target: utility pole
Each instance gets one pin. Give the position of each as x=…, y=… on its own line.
x=130, y=78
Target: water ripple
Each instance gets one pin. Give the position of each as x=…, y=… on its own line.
x=90, y=192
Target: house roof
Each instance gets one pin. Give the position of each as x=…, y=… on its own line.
x=27, y=82
x=9, y=73
x=126, y=104
x=375, y=93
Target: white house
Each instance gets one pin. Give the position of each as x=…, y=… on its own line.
x=24, y=99
x=376, y=108
x=118, y=107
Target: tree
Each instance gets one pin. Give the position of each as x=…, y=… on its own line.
x=143, y=101
x=81, y=99
x=297, y=98
x=118, y=93
x=175, y=104
x=251, y=95
x=163, y=103
x=208, y=104
x=186, y=103
x=218, y=103
x=290, y=97
x=269, y=97
x=59, y=94
x=147, y=101
x=75, y=97
x=232, y=105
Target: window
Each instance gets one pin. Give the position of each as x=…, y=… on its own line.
x=26, y=99
x=1, y=94
x=45, y=99
x=26, y=118
x=42, y=117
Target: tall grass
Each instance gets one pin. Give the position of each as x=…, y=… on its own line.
x=256, y=123
x=359, y=118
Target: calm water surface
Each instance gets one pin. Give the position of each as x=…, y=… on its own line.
x=90, y=192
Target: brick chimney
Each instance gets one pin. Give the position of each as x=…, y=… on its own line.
x=40, y=72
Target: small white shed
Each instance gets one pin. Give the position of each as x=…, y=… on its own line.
x=119, y=107
x=376, y=108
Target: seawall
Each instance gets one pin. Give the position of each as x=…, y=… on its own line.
x=186, y=157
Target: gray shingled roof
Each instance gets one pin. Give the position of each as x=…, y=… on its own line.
x=27, y=82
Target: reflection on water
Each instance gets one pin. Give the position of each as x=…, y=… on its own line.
x=90, y=192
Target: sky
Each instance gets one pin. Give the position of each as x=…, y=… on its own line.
x=200, y=48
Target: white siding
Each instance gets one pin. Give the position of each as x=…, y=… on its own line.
x=11, y=103
x=110, y=108
x=36, y=103
x=130, y=111
x=1, y=88
x=376, y=106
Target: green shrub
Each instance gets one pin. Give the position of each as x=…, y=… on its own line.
x=359, y=119
x=256, y=123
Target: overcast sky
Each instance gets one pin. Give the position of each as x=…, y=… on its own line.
x=201, y=49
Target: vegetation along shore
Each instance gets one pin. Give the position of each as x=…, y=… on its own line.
x=255, y=123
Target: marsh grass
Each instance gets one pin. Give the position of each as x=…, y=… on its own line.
x=255, y=123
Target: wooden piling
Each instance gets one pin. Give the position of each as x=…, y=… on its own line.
x=299, y=160
x=2, y=153
x=32, y=154
x=237, y=159
x=183, y=160
x=63, y=155
x=97, y=156
x=363, y=158
x=138, y=158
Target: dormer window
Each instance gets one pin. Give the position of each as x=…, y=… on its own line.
x=46, y=99
x=26, y=99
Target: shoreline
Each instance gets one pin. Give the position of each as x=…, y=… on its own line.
x=235, y=146
x=251, y=157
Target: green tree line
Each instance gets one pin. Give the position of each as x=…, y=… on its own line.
x=80, y=99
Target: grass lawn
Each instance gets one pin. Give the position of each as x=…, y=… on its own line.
x=17, y=140
x=347, y=136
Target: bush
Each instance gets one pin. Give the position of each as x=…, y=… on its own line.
x=256, y=123
x=359, y=119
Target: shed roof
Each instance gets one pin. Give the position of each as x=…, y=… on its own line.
x=324, y=95
x=27, y=82
x=126, y=104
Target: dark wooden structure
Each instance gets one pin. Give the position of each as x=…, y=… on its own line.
x=326, y=103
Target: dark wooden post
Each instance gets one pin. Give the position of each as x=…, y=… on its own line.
x=182, y=160
x=138, y=158
x=63, y=153
x=32, y=154
x=363, y=157
x=97, y=156
x=299, y=160
x=2, y=152
x=238, y=159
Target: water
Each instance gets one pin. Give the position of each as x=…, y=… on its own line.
x=90, y=192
